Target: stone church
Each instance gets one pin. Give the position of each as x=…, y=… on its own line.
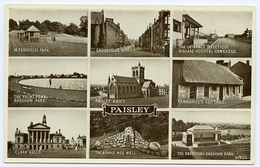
x=120, y=87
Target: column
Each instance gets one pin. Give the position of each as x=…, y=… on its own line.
x=40, y=136
x=198, y=33
x=49, y=137
x=28, y=136
x=36, y=137
x=44, y=137
x=32, y=136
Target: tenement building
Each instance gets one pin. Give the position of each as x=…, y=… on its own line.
x=131, y=87
x=38, y=137
x=157, y=35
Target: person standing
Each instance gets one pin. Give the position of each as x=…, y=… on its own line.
x=50, y=82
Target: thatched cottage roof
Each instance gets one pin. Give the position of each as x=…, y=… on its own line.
x=204, y=72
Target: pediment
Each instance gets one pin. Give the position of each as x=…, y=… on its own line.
x=38, y=126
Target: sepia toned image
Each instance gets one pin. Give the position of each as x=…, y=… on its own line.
x=211, y=33
x=130, y=33
x=47, y=83
x=48, y=32
x=211, y=84
x=131, y=82
x=211, y=135
x=129, y=136
x=44, y=135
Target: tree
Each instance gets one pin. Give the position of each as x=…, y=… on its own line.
x=12, y=25
x=84, y=25
x=72, y=29
x=25, y=24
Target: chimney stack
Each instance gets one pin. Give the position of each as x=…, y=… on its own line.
x=247, y=62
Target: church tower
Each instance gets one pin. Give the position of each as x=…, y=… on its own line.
x=44, y=122
x=138, y=73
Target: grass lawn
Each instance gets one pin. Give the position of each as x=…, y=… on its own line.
x=229, y=152
x=122, y=153
x=179, y=153
x=51, y=154
x=161, y=101
x=57, y=48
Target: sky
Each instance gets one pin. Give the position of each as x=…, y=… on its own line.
x=71, y=123
x=157, y=70
x=132, y=22
x=38, y=66
x=224, y=22
x=62, y=15
x=216, y=116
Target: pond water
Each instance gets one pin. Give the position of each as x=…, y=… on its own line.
x=65, y=83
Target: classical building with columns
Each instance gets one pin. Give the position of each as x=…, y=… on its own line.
x=38, y=137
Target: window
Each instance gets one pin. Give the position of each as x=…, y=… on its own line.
x=234, y=90
x=18, y=146
x=227, y=90
x=206, y=91
x=176, y=26
x=31, y=34
x=58, y=146
x=192, y=92
x=214, y=88
x=239, y=89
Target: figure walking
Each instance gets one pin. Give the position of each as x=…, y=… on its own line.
x=50, y=82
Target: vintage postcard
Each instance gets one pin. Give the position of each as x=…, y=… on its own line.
x=43, y=135
x=131, y=82
x=48, y=32
x=131, y=135
x=113, y=33
x=47, y=82
x=146, y=84
x=212, y=33
x=213, y=83
x=211, y=135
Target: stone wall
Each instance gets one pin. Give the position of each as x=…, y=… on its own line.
x=131, y=139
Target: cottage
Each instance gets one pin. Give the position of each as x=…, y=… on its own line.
x=203, y=80
x=200, y=134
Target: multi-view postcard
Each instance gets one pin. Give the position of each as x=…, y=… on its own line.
x=48, y=32
x=213, y=83
x=114, y=135
x=207, y=135
x=44, y=135
x=207, y=33
x=47, y=83
x=130, y=33
x=129, y=82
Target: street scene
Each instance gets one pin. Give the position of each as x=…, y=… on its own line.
x=48, y=32
x=46, y=134
x=213, y=83
x=39, y=83
x=211, y=135
x=129, y=136
x=212, y=33
x=134, y=33
x=132, y=82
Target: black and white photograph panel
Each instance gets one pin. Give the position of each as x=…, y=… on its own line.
x=211, y=135
x=48, y=32
x=46, y=134
x=128, y=136
x=47, y=82
x=130, y=33
x=212, y=83
x=211, y=33
x=129, y=82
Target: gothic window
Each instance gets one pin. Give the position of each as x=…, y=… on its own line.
x=133, y=73
x=123, y=89
x=127, y=89
x=137, y=73
x=131, y=89
x=119, y=89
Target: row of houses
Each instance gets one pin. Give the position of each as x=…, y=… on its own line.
x=105, y=33
x=157, y=35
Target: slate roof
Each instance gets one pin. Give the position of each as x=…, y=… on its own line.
x=121, y=79
x=146, y=84
x=200, y=71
